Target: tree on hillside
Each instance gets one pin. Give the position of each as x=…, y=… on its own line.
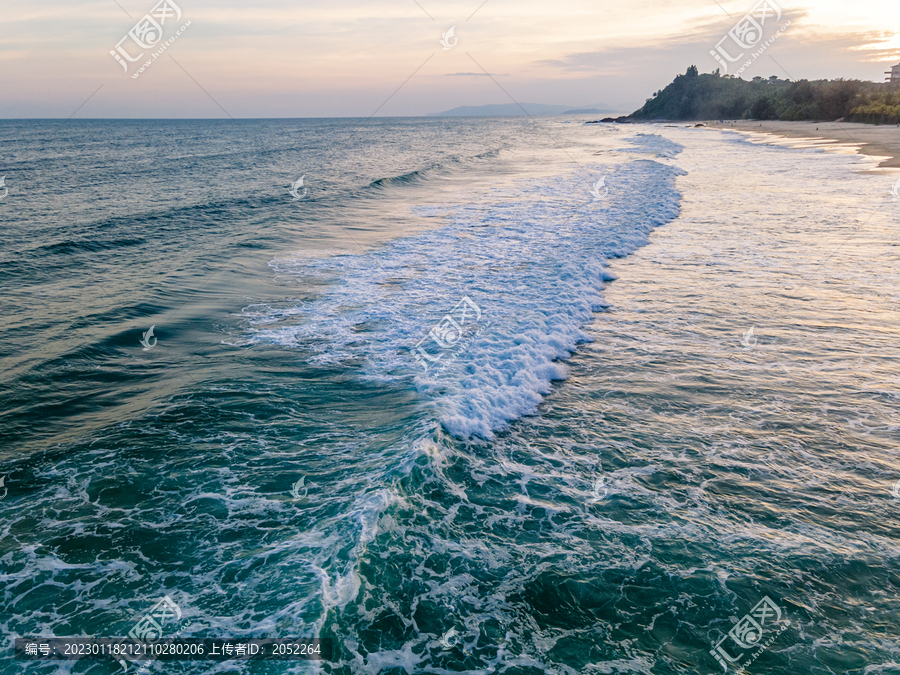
x=695, y=96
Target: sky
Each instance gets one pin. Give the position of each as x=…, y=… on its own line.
x=335, y=58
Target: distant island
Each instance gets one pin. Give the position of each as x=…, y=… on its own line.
x=508, y=109
x=709, y=96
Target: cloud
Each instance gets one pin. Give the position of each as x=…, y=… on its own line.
x=678, y=49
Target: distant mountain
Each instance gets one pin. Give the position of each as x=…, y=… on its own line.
x=587, y=111
x=507, y=109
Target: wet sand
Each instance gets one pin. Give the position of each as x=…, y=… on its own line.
x=881, y=142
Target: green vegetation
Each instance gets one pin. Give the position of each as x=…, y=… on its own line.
x=693, y=96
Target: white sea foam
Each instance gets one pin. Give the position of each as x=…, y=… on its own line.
x=531, y=258
x=342, y=588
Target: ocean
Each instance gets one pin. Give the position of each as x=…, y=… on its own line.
x=496, y=395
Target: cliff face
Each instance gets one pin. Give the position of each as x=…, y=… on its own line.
x=693, y=96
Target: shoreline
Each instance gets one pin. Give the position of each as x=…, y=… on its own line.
x=881, y=143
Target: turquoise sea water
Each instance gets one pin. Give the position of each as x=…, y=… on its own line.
x=599, y=471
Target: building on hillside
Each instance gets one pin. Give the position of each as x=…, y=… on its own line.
x=894, y=73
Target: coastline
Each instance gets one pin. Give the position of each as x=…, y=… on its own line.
x=880, y=142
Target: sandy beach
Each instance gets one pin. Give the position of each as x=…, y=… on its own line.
x=882, y=141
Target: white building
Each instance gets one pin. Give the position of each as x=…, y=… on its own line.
x=894, y=73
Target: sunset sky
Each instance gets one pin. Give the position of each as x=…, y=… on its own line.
x=323, y=58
